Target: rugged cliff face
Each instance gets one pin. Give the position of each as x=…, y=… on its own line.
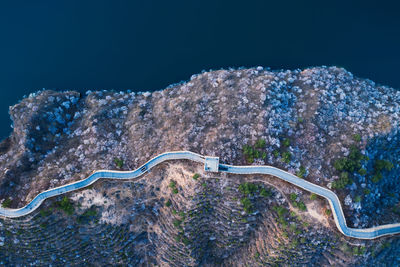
x=322, y=123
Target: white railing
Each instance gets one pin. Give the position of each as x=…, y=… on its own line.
x=340, y=221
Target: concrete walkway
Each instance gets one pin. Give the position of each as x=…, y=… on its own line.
x=337, y=211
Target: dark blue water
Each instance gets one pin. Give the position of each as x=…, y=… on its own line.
x=147, y=45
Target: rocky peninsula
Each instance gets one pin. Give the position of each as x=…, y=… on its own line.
x=322, y=124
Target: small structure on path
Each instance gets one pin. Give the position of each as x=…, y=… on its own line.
x=211, y=164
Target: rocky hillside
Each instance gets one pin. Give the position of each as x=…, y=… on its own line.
x=323, y=124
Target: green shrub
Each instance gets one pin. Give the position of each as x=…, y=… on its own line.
x=250, y=153
x=261, y=143
x=177, y=223
x=357, y=137
x=264, y=155
x=301, y=206
x=301, y=172
x=6, y=203
x=45, y=213
x=119, y=162
x=357, y=199
x=168, y=203
x=382, y=164
x=286, y=156
x=362, y=171
x=172, y=184
x=342, y=181
x=66, y=205
x=286, y=142
x=328, y=212
x=367, y=191
x=313, y=196
x=376, y=177
x=247, y=188
x=247, y=206
x=265, y=193
x=280, y=210
x=87, y=215
x=196, y=176
x=276, y=153
x=293, y=196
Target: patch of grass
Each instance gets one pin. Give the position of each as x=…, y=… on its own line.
x=293, y=196
x=196, y=176
x=357, y=199
x=313, y=196
x=276, y=153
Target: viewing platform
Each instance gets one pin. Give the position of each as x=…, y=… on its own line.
x=211, y=164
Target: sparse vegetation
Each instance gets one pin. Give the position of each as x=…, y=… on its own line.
x=247, y=205
x=172, y=185
x=247, y=188
x=342, y=181
x=251, y=153
x=66, y=205
x=379, y=166
x=313, y=196
x=87, y=215
x=265, y=193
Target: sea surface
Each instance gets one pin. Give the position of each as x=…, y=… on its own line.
x=147, y=45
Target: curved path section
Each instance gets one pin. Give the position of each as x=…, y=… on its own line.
x=367, y=233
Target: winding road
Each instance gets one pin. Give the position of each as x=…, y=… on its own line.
x=340, y=220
